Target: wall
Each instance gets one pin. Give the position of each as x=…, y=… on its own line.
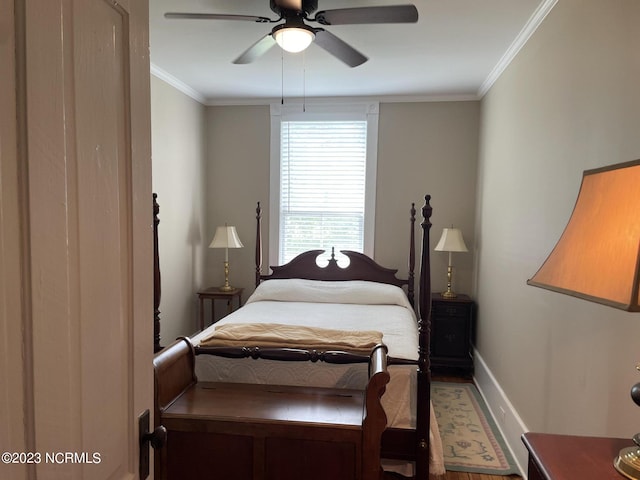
x=568, y=102
x=179, y=165
x=237, y=178
x=423, y=148
x=427, y=148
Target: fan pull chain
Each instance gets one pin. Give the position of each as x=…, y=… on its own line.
x=281, y=77
x=304, y=81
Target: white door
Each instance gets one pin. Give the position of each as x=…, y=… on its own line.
x=76, y=283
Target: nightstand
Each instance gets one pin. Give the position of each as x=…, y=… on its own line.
x=451, y=333
x=213, y=294
x=570, y=457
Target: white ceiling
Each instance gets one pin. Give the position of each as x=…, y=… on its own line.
x=455, y=51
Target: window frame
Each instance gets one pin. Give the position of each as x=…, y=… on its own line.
x=368, y=111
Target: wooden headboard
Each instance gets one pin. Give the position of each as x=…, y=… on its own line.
x=361, y=267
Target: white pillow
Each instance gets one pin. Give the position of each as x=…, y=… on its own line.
x=317, y=291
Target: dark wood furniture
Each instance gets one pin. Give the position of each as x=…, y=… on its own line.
x=266, y=432
x=570, y=457
x=401, y=444
x=397, y=444
x=213, y=294
x=452, y=323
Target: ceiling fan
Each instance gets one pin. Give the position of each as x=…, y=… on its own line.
x=294, y=35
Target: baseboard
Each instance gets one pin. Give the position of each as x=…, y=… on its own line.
x=506, y=417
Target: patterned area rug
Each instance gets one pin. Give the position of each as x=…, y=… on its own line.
x=470, y=438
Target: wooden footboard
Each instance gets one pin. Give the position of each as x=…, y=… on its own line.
x=173, y=372
x=374, y=419
x=276, y=431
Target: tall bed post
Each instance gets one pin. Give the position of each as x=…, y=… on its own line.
x=156, y=277
x=412, y=256
x=258, y=243
x=424, y=367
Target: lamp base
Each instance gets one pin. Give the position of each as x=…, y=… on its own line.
x=449, y=293
x=628, y=462
x=226, y=287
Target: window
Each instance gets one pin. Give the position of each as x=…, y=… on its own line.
x=322, y=180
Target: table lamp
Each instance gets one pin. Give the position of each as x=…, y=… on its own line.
x=450, y=241
x=226, y=237
x=597, y=257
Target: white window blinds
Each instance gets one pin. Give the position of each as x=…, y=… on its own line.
x=322, y=186
x=322, y=178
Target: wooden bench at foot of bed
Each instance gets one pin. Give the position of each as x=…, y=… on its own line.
x=266, y=432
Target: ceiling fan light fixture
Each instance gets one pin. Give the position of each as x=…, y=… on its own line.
x=294, y=39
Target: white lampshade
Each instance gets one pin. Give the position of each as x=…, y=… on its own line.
x=451, y=241
x=294, y=39
x=226, y=237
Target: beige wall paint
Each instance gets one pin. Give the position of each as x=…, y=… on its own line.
x=568, y=102
x=427, y=148
x=423, y=148
x=237, y=178
x=179, y=166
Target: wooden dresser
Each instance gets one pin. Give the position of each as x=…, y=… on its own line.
x=570, y=457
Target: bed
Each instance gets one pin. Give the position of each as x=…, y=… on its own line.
x=307, y=299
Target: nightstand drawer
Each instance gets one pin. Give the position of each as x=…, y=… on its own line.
x=449, y=310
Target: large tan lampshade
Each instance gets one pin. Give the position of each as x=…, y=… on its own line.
x=598, y=256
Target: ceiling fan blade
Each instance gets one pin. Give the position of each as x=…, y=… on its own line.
x=339, y=48
x=216, y=16
x=383, y=14
x=256, y=50
x=289, y=4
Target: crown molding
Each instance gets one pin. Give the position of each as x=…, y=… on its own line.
x=523, y=37
x=227, y=102
x=177, y=84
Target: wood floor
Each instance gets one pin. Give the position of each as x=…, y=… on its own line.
x=478, y=476
x=465, y=475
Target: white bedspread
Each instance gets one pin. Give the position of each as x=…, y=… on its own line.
x=352, y=305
